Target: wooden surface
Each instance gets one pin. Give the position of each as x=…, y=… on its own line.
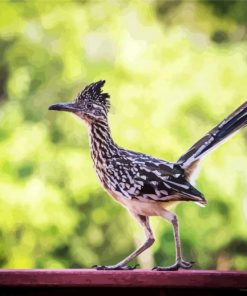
x=192, y=279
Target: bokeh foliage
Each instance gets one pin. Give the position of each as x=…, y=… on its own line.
x=173, y=69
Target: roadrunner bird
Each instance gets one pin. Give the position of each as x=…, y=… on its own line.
x=145, y=185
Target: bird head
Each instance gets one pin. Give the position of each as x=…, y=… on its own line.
x=91, y=104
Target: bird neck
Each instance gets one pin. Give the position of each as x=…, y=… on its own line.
x=102, y=145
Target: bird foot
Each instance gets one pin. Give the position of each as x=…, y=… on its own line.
x=181, y=264
x=115, y=267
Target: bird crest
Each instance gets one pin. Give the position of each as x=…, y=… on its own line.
x=93, y=92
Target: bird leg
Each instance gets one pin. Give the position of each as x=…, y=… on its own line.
x=144, y=221
x=180, y=263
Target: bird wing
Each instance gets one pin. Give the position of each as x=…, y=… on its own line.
x=159, y=183
x=151, y=179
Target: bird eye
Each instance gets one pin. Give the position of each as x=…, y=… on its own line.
x=89, y=105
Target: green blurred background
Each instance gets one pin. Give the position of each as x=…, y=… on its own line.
x=174, y=69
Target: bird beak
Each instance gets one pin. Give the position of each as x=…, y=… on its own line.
x=69, y=107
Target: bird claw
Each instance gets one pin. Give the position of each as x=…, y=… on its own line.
x=178, y=265
x=115, y=267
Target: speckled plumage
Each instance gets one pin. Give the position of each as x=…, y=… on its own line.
x=132, y=175
x=144, y=184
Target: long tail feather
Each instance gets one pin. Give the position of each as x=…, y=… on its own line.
x=215, y=137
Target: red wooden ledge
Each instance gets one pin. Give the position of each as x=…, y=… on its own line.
x=135, y=278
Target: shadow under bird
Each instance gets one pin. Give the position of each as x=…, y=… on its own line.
x=145, y=185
